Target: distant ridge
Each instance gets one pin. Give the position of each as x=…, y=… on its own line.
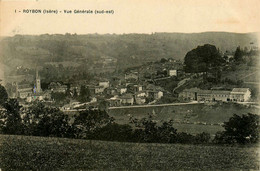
x=128, y=49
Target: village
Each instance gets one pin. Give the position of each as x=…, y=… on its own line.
x=135, y=86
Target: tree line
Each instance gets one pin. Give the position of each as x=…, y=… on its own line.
x=42, y=120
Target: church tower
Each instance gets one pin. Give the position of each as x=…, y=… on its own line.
x=38, y=82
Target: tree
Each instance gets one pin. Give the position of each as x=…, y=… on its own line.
x=185, y=138
x=11, y=118
x=202, y=59
x=88, y=121
x=40, y=120
x=238, y=55
x=163, y=60
x=75, y=93
x=58, y=96
x=3, y=95
x=84, y=95
x=103, y=105
x=240, y=129
x=68, y=92
x=167, y=133
x=148, y=131
x=202, y=138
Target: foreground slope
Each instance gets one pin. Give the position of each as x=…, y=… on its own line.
x=31, y=153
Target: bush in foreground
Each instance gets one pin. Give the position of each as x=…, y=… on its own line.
x=240, y=129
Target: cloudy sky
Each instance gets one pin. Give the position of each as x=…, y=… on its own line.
x=132, y=16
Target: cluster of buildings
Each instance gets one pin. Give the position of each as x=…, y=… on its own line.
x=134, y=94
x=29, y=93
x=133, y=88
x=128, y=91
x=236, y=95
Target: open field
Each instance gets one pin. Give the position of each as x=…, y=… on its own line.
x=242, y=72
x=38, y=153
x=192, y=118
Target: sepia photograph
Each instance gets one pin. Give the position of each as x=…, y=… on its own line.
x=129, y=85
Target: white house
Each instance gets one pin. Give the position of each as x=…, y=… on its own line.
x=104, y=84
x=172, y=72
x=121, y=90
x=240, y=94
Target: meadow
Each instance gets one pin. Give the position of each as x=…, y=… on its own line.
x=192, y=118
x=38, y=153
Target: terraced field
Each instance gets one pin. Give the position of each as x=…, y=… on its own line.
x=38, y=153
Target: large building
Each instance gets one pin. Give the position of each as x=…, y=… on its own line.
x=237, y=94
x=23, y=91
x=240, y=94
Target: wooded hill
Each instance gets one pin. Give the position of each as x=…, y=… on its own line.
x=126, y=50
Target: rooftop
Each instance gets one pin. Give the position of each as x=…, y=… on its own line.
x=240, y=90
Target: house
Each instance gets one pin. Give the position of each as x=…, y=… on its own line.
x=57, y=87
x=115, y=81
x=114, y=101
x=237, y=94
x=140, y=100
x=240, y=94
x=93, y=99
x=75, y=88
x=141, y=94
x=110, y=91
x=138, y=88
x=96, y=89
x=220, y=95
x=127, y=99
x=172, y=72
x=34, y=97
x=155, y=94
x=104, y=84
x=23, y=91
x=204, y=95
x=121, y=90
x=134, y=88
x=131, y=75
x=191, y=94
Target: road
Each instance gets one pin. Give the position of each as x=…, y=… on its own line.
x=158, y=105
x=140, y=106
x=181, y=83
x=251, y=83
x=249, y=75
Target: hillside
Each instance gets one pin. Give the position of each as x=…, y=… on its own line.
x=38, y=153
x=123, y=50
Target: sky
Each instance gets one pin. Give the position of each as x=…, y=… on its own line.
x=135, y=16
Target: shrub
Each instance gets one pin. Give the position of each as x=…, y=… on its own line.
x=240, y=129
x=11, y=118
x=202, y=138
x=88, y=121
x=185, y=138
x=40, y=120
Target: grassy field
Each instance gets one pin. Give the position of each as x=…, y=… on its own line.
x=242, y=72
x=194, y=118
x=37, y=153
